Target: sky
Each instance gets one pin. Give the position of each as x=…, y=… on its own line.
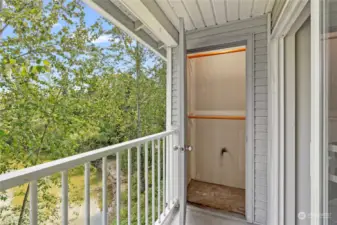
x=90, y=17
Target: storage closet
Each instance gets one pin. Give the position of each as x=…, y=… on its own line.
x=216, y=83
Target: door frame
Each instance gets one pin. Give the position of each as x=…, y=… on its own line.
x=182, y=88
x=293, y=15
x=318, y=165
x=216, y=43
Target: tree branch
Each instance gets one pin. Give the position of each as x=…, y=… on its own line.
x=37, y=158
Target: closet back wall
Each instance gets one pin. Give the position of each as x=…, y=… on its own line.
x=216, y=87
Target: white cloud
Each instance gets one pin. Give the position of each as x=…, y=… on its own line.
x=57, y=25
x=102, y=39
x=105, y=38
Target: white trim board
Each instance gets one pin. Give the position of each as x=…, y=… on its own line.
x=112, y=13
x=290, y=20
x=316, y=111
x=289, y=14
x=169, y=89
x=154, y=19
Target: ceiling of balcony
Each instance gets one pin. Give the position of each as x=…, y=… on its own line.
x=155, y=23
x=205, y=13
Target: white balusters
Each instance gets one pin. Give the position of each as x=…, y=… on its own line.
x=64, y=197
x=129, y=186
x=138, y=184
x=161, y=175
x=164, y=174
x=33, y=202
x=146, y=184
x=169, y=179
x=118, y=188
x=153, y=182
x=159, y=195
x=105, y=191
x=87, y=193
x=172, y=178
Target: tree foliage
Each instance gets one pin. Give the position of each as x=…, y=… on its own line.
x=61, y=93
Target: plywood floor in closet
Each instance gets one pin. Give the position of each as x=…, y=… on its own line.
x=228, y=199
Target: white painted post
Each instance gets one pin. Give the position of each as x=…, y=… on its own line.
x=33, y=202
x=146, y=184
x=129, y=186
x=64, y=194
x=170, y=174
x=118, y=188
x=153, y=183
x=164, y=174
x=104, y=191
x=138, y=184
x=159, y=196
x=169, y=89
x=171, y=169
x=87, y=193
x=169, y=117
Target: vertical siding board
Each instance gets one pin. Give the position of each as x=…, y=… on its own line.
x=261, y=97
x=261, y=51
x=261, y=204
x=261, y=128
x=261, y=81
x=261, y=36
x=261, y=135
x=261, y=58
x=261, y=197
x=261, y=74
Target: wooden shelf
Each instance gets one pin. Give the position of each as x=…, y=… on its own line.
x=214, y=117
x=213, y=53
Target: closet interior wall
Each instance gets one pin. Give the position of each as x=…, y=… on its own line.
x=217, y=90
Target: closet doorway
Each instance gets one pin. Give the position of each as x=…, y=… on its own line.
x=216, y=98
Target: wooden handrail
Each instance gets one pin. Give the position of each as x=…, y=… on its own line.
x=205, y=54
x=210, y=117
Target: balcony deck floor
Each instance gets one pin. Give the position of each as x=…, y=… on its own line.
x=198, y=216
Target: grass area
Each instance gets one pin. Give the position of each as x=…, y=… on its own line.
x=76, y=186
x=49, y=196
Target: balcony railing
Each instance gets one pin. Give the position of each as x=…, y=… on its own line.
x=161, y=149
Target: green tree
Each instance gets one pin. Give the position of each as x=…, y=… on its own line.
x=62, y=94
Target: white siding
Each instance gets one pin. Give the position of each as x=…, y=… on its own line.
x=258, y=28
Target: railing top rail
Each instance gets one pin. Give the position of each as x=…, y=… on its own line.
x=19, y=177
